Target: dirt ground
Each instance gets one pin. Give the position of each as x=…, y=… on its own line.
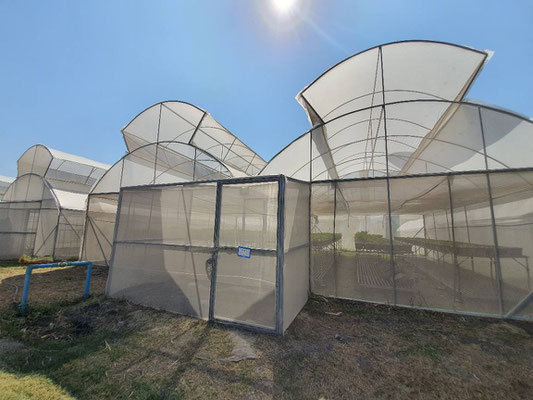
x=103, y=348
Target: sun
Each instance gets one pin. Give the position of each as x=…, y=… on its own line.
x=284, y=6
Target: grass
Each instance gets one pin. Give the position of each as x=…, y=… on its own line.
x=21, y=387
x=104, y=348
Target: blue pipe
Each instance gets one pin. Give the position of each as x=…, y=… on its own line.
x=30, y=268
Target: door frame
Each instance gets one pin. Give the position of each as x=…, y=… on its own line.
x=280, y=179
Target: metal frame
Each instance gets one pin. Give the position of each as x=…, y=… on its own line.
x=30, y=268
x=399, y=42
x=421, y=101
x=216, y=248
x=197, y=151
x=195, y=129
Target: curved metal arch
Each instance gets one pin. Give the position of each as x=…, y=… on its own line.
x=157, y=144
x=38, y=145
x=196, y=126
x=389, y=44
x=161, y=103
x=50, y=151
x=46, y=184
x=386, y=91
x=450, y=102
x=378, y=119
x=346, y=159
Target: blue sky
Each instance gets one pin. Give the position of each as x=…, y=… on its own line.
x=73, y=73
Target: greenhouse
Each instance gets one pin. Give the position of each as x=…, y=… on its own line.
x=5, y=181
x=420, y=198
x=42, y=211
x=171, y=141
x=404, y=192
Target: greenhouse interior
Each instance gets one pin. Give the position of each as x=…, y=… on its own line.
x=403, y=192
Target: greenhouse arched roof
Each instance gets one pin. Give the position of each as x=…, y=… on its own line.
x=62, y=170
x=161, y=162
x=404, y=116
x=172, y=121
x=5, y=181
x=471, y=137
x=33, y=187
x=392, y=72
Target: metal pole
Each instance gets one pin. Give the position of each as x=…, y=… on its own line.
x=528, y=277
x=280, y=248
x=469, y=241
x=26, y=289
x=30, y=268
x=497, y=263
x=216, y=234
x=393, y=267
x=457, y=273
x=425, y=234
x=334, y=232
x=88, y=280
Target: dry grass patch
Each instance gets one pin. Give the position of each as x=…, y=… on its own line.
x=22, y=387
x=47, y=285
x=104, y=348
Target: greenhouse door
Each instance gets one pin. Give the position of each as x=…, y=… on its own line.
x=245, y=261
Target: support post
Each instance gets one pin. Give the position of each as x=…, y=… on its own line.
x=334, y=232
x=30, y=268
x=216, y=234
x=457, y=273
x=497, y=263
x=389, y=208
x=280, y=249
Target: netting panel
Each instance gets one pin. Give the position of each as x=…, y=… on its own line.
x=161, y=277
x=249, y=215
x=322, y=238
x=18, y=224
x=444, y=242
x=69, y=234
x=99, y=228
x=181, y=215
x=152, y=263
x=246, y=287
x=513, y=212
x=296, y=267
x=422, y=137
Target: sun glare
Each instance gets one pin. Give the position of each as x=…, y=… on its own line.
x=284, y=6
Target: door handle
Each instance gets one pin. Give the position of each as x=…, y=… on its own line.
x=209, y=267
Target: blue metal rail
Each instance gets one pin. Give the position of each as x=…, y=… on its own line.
x=30, y=268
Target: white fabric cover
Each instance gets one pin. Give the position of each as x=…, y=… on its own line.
x=183, y=122
x=62, y=170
